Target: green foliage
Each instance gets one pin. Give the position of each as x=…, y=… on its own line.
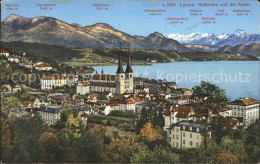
x=222, y=127
x=142, y=120
x=119, y=113
x=210, y=100
x=235, y=147
x=10, y=104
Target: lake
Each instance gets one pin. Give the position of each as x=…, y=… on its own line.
x=238, y=78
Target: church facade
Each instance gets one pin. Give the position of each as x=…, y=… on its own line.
x=120, y=83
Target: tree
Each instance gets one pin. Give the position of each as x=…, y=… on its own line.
x=252, y=133
x=210, y=101
x=49, y=144
x=222, y=127
x=142, y=155
x=119, y=150
x=10, y=104
x=148, y=133
x=164, y=155
x=158, y=120
x=226, y=158
x=235, y=147
x=142, y=120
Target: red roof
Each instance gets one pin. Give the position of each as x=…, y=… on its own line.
x=182, y=111
x=245, y=102
x=4, y=51
x=84, y=83
x=84, y=115
x=104, y=77
x=111, y=85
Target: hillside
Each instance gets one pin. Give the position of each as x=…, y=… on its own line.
x=48, y=30
x=252, y=49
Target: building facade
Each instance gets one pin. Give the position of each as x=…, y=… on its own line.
x=245, y=108
x=186, y=134
x=83, y=88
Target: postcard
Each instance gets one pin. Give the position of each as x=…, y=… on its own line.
x=130, y=81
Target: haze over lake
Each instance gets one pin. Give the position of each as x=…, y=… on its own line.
x=238, y=78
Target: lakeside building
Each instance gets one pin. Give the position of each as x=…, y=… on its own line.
x=120, y=83
x=245, y=109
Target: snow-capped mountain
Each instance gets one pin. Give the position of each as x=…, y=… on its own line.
x=198, y=38
x=239, y=37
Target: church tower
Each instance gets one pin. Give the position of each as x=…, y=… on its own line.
x=129, y=85
x=120, y=77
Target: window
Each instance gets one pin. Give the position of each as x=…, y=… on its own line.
x=177, y=136
x=130, y=75
x=190, y=135
x=197, y=144
x=191, y=144
x=122, y=76
x=173, y=137
x=183, y=134
x=183, y=142
x=177, y=144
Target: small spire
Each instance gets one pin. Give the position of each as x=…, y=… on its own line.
x=102, y=71
x=96, y=72
x=128, y=67
x=120, y=67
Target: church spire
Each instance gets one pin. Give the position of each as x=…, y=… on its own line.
x=102, y=71
x=120, y=67
x=128, y=67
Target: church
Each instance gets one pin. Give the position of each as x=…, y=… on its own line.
x=120, y=83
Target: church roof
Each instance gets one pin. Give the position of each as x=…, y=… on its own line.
x=120, y=67
x=128, y=67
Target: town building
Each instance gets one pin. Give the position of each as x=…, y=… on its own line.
x=43, y=67
x=176, y=113
x=120, y=83
x=83, y=88
x=181, y=92
x=4, y=52
x=50, y=114
x=49, y=82
x=246, y=108
x=186, y=134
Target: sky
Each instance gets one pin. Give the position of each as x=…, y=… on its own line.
x=130, y=16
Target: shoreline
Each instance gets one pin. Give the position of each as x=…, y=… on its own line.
x=149, y=64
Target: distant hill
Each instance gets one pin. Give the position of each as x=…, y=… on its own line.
x=52, y=31
x=202, y=48
x=252, y=49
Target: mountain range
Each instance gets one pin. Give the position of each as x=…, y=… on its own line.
x=237, y=38
x=52, y=31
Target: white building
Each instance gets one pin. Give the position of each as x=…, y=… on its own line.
x=4, y=52
x=186, y=134
x=49, y=114
x=181, y=92
x=176, y=113
x=246, y=108
x=83, y=88
x=49, y=82
x=43, y=67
